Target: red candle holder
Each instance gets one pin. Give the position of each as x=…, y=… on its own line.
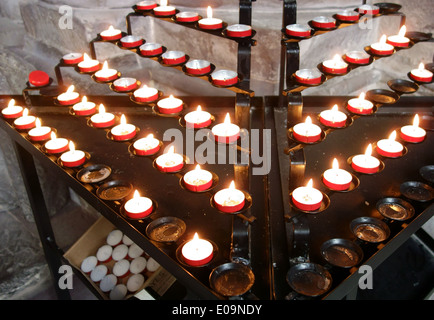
x=72, y=58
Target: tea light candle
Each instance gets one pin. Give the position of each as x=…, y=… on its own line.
x=307, y=198
x=226, y=132
x=138, y=207
x=413, y=133
x=56, y=145
x=125, y=84
x=111, y=34
x=198, y=179
x=348, y=15
x=298, y=30
x=335, y=66
x=198, y=67
x=146, y=146
x=145, y=94
x=146, y=5
x=210, y=23
x=229, y=200
x=25, y=121
x=131, y=41
x=308, y=76
x=123, y=131
x=106, y=74
x=164, y=10
x=399, y=40
x=357, y=57
x=12, y=111
x=72, y=158
x=390, y=147
x=382, y=48
x=365, y=163
x=369, y=9
x=187, y=16
x=151, y=49
x=170, y=161
x=39, y=133
x=170, y=105
x=72, y=58
x=333, y=118
x=421, y=74
x=88, y=65
x=84, y=108
x=69, y=97
x=360, y=105
x=197, y=119
x=197, y=252
x=173, y=57
x=307, y=132
x=102, y=119
x=337, y=179
x=239, y=31
x=324, y=22
x=224, y=77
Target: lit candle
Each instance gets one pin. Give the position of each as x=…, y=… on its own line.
x=198, y=179
x=84, y=108
x=73, y=58
x=308, y=76
x=335, y=66
x=39, y=133
x=324, y=22
x=12, y=111
x=369, y=9
x=348, y=15
x=198, y=118
x=229, y=200
x=198, y=67
x=173, y=57
x=146, y=146
x=102, y=119
x=187, y=16
x=224, y=77
x=170, y=105
x=146, y=5
x=210, y=23
x=239, y=30
x=138, y=207
x=421, y=74
x=69, y=97
x=382, y=48
x=399, y=40
x=111, y=34
x=197, y=252
x=413, y=133
x=360, y=105
x=333, y=118
x=365, y=163
x=307, y=132
x=125, y=84
x=307, y=198
x=298, y=30
x=56, y=145
x=390, y=147
x=145, y=94
x=72, y=158
x=226, y=132
x=164, y=10
x=25, y=121
x=88, y=65
x=106, y=74
x=151, y=49
x=131, y=41
x=170, y=161
x=336, y=178
x=123, y=131
x=357, y=57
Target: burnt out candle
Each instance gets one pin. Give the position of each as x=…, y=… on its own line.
x=197, y=252
x=12, y=111
x=229, y=200
x=307, y=198
x=413, y=133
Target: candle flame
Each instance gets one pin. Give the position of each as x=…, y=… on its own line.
x=38, y=122
x=310, y=183
x=402, y=31
x=123, y=119
x=383, y=39
x=101, y=108
x=227, y=118
x=421, y=66
x=416, y=121
x=335, y=164
x=11, y=103
x=232, y=185
x=393, y=135
x=197, y=167
x=368, y=151
x=136, y=194
x=308, y=120
x=25, y=112
x=71, y=146
x=199, y=108
x=362, y=96
x=53, y=135
x=70, y=88
x=209, y=12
